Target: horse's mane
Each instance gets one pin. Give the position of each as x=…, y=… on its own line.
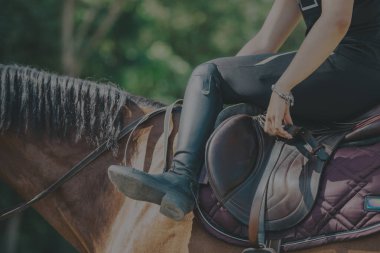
x=34, y=100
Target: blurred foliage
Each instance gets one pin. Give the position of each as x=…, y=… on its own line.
x=34, y=235
x=149, y=50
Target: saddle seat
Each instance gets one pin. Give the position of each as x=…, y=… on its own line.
x=232, y=157
x=366, y=127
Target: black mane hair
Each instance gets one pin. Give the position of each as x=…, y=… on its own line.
x=34, y=100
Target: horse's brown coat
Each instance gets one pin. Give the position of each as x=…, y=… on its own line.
x=94, y=217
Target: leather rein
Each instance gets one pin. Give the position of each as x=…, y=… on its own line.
x=92, y=156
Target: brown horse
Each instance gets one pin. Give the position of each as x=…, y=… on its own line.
x=49, y=123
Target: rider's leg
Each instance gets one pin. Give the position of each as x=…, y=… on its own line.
x=224, y=80
x=173, y=190
x=245, y=79
x=335, y=91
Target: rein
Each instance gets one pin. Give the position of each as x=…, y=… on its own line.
x=92, y=156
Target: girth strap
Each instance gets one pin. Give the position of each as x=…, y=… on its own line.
x=256, y=231
x=301, y=136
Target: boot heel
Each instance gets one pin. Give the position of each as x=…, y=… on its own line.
x=176, y=206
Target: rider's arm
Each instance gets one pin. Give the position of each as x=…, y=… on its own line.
x=280, y=22
x=320, y=42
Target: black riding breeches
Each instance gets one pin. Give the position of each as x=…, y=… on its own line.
x=338, y=90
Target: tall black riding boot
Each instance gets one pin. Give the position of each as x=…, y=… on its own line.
x=174, y=190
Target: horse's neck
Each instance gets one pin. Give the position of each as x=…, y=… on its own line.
x=139, y=226
x=88, y=211
x=83, y=208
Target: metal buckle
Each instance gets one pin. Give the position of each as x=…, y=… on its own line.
x=259, y=250
x=308, y=7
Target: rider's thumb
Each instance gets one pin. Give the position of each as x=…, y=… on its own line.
x=288, y=118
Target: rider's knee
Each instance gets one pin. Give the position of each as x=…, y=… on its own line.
x=205, y=69
x=206, y=77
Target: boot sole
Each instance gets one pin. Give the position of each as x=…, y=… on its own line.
x=130, y=184
x=176, y=206
x=173, y=204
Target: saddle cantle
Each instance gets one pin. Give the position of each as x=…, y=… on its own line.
x=237, y=159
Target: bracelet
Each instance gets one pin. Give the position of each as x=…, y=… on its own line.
x=289, y=99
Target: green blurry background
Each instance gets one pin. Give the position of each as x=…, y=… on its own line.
x=148, y=47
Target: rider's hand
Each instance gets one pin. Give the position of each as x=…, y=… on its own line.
x=277, y=113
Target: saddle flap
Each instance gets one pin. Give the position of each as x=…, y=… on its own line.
x=231, y=152
x=237, y=154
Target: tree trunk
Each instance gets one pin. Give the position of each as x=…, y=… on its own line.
x=78, y=47
x=69, y=63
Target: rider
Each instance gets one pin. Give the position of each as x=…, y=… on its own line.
x=333, y=76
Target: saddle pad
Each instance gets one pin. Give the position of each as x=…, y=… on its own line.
x=347, y=205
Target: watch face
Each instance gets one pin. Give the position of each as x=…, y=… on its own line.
x=308, y=4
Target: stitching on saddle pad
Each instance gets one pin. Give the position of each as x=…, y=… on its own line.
x=356, y=189
x=324, y=237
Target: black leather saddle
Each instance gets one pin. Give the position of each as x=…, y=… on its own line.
x=268, y=183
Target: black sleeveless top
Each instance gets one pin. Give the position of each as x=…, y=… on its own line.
x=362, y=41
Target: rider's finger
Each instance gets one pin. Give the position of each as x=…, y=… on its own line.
x=279, y=129
x=269, y=124
x=266, y=122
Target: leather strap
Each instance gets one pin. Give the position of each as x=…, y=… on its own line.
x=168, y=128
x=274, y=244
x=256, y=233
x=92, y=156
x=301, y=136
